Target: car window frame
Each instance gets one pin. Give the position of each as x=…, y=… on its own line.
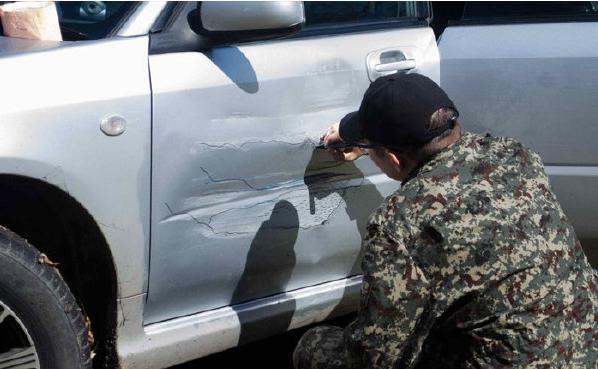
x=167, y=36
x=358, y=28
x=523, y=20
x=422, y=18
x=168, y=15
x=121, y=22
x=565, y=18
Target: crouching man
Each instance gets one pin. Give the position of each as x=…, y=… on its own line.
x=471, y=263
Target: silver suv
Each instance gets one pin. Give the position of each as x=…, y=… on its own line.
x=161, y=194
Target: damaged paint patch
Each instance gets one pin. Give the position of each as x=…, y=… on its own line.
x=228, y=206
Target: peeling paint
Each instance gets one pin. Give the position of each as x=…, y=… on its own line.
x=306, y=142
x=322, y=186
x=278, y=197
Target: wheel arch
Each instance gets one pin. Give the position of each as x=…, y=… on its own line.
x=60, y=227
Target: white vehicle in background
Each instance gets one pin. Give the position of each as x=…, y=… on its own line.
x=161, y=162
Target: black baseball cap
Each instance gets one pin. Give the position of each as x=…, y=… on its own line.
x=395, y=112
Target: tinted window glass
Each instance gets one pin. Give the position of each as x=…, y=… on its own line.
x=524, y=9
x=85, y=20
x=343, y=12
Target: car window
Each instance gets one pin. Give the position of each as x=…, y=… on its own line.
x=90, y=20
x=323, y=13
x=528, y=9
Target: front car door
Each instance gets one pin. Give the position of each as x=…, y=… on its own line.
x=243, y=205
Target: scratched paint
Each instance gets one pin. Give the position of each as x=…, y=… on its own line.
x=226, y=212
x=219, y=215
x=322, y=187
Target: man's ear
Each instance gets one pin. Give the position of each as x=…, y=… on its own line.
x=394, y=158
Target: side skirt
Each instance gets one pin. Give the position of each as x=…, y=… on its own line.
x=163, y=344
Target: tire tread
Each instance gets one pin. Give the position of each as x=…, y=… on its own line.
x=18, y=249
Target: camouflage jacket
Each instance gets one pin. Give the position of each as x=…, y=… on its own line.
x=473, y=264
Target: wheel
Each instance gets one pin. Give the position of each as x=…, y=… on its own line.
x=41, y=325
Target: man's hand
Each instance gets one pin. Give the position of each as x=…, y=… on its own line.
x=331, y=137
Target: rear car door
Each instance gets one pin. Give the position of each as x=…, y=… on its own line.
x=243, y=206
x=530, y=71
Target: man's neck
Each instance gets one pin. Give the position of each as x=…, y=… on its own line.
x=412, y=165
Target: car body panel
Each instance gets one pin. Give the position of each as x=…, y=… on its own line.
x=540, y=89
x=243, y=206
x=11, y=46
x=574, y=186
x=51, y=105
x=163, y=344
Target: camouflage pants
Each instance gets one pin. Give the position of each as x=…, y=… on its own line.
x=325, y=347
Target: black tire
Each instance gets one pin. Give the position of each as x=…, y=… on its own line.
x=41, y=300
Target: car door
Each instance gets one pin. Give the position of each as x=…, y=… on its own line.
x=530, y=71
x=243, y=205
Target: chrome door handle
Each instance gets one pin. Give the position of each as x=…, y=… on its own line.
x=402, y=65
x=391, y=60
